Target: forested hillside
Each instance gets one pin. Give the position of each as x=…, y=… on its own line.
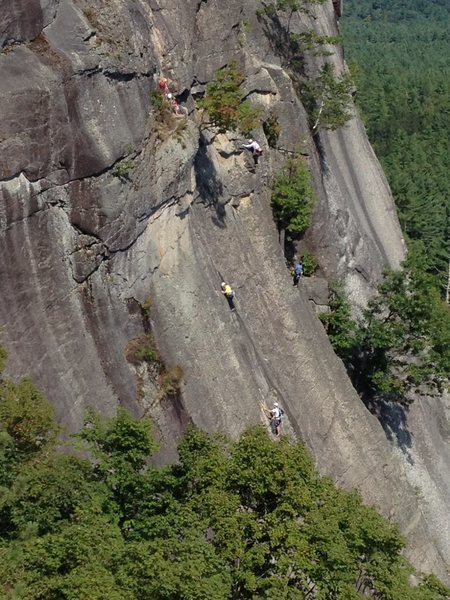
x=399, y=53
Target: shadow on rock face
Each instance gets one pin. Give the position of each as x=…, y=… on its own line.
x=284, y=43
x=182, y=214
x=209, y=185
x=393, y=417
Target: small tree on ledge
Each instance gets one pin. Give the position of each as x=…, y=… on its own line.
x=327, y=99
x=223, y=102
x=293, y=199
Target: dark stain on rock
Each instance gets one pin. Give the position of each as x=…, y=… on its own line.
x=209, y=185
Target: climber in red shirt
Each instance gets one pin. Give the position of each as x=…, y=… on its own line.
x=164, y=86
x=180, y=111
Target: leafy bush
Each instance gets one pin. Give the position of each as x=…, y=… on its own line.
x=248, y=118
x=339, y=324
x=123, y=168
x=142, y=350
x=289, y=6
x=272, y=129
x=310, y=264
x=310, y=40
x=147, y=307
x=3, y=357
x=223, y=102
x=26, y=417
x=159, y=104
x=167, y=124
x=162, y=110
x=293, y=197
x=327, y=98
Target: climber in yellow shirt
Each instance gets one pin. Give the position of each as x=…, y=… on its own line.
x=229, y=294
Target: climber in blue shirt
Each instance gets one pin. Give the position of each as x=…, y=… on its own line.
x=298, y=271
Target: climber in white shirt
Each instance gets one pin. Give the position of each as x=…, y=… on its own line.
x=254, y=148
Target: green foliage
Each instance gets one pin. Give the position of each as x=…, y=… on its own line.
x=309, y=263
x=290, y=6
x=401, y=52
x=26, y=418
x=272, y=129
x=120, y=441
x=248, y=118
x=247, y=519
x=402, y=339
x=142, y=350
x=77, y=560
x=49, y=490
x=224, y=105
x=147, y=307
x=123, y=168
x=293, y=197
x=166, y=122
x=339, y=324
x=3, y=357
x=327, y=98
x=312, y=41
x=406, y=333
x=159, y=104
x=432, y=586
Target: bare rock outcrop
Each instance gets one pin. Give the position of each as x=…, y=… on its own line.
x=102, y=208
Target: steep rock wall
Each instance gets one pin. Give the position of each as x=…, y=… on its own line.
x=355, y=231
x=83, y=249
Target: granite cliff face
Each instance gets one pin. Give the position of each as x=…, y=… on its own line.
x=83, y=249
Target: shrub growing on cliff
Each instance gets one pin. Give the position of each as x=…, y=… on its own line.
x=293, y=198
x=3, y=357
x=312, y=41
x=339, y=324
x=272, y=129
x=170, y=381
x=147, y=307
x=289, y=7
x=166, y=122
x=310, y=264
x=402, y=339
x=224, y=105
x=142, y=350
x=123, y=168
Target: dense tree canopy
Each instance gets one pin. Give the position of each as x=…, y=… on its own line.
x=399, y=54
x=248, y=519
